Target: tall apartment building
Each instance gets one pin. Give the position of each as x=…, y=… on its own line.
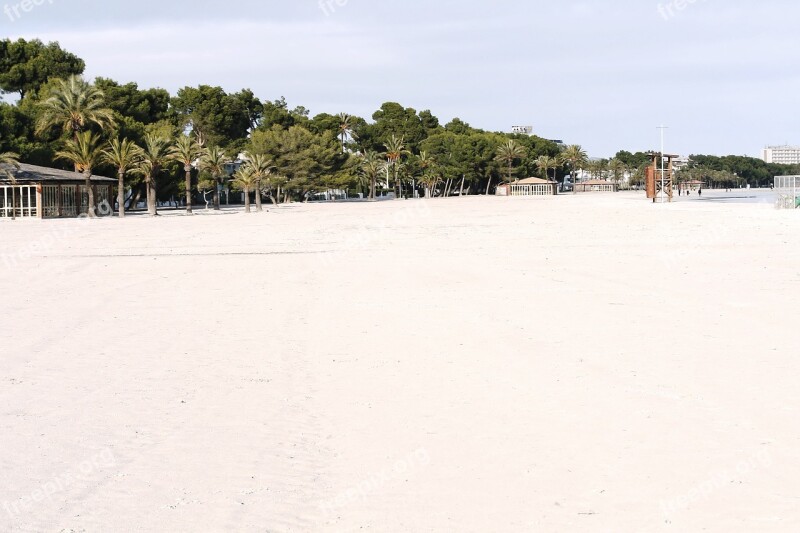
x=783, y=155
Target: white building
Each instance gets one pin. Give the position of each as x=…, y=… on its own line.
x=782, y=155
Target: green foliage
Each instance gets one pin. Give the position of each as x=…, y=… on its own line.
x=83, y=151
x=508, y=153
x=394, y=119
x=72, y=106
x=277, y=113
x=545, y=163
x=143, y=106
x=635, y=161
x=574, y=156
x=27, y=65
x=734, y=169
x=310, y=162
x=216, y=117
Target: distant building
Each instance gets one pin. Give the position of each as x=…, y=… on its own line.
x=782, y=155
x=523, y=130
x=680, y=163
x=529, y=187
x=596, y=186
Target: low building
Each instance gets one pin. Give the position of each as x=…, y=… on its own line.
x=596, y=186
x=41, y=192
x=533, y=187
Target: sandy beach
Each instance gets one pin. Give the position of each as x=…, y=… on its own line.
x=573, y=363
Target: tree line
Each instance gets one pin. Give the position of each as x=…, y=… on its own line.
x=201, y=139
x=162, y=145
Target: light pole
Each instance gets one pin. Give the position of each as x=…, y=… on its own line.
x=662, y=128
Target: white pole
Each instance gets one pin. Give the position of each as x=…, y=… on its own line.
x=662, y=128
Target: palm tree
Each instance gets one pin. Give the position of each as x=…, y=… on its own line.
x=245, y=179
x=10, y=159
x=595, y=169
x=509, y=152
x=576, y=158
x=125, y=156
x=345, y=128
x=371, y=166
x=84, y=152
x=262, y=167
x=618, y=169
x=545, y=163
x=186, y=151
x=73, y=105
x=429, y=176
x=395, y=149
x=214, y=162
x=155, y=155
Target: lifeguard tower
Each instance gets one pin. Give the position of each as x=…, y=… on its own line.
x=660, y=181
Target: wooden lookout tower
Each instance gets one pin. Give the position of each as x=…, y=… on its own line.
x=658, y=184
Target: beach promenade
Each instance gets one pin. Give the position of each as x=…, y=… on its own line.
x=574, y=363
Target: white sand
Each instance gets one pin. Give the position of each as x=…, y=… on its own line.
x=589, y=363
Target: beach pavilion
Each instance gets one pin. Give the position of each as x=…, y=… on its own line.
x=41, y=192
x=529, y=187
x=596, y=186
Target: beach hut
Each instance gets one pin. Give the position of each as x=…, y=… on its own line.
x=41, y=192
x=596, y=186
x=533, y=187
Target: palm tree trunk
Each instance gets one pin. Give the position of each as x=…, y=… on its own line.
x=136, y=197
x=216, y=194
x=188, y=189
x=90, y=208
x=372, y=187
x=13, y=202
x=489, y=185
x=461, y=192
x=121, y=194
x=151, y=197
x=259, y=208
x=246, y=199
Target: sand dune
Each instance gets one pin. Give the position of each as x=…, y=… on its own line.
x=589, y=363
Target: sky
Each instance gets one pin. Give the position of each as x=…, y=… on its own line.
x=722, y=75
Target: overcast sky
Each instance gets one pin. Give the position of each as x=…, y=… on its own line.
x=722, y=74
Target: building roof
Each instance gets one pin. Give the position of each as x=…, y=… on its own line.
x=33, y=173
x=533, y=181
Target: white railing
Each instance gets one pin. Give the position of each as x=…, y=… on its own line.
x=25, y=197
x=788, y=191
x=532, y=190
